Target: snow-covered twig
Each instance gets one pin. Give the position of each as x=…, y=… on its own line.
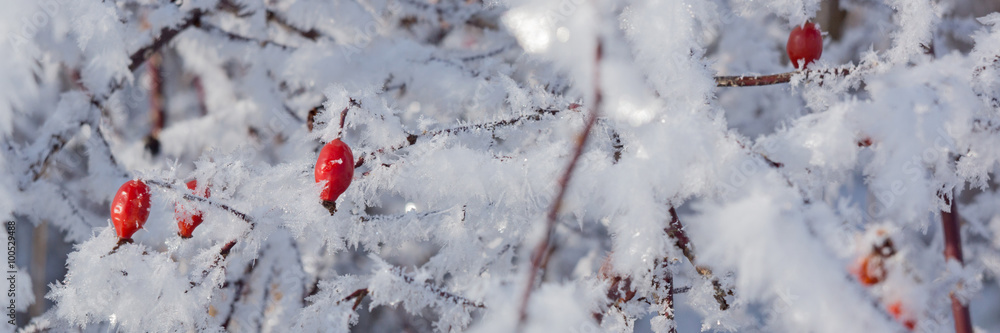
x=953, y=251
x=227, y=248
x=244, y=39
x=664, y=283
x=762, y=80
x=166, y=35
x=676, y=231
x=240, y=285
x=412, y=138
x=187, y=196
x=750, y=81
x=540, y=253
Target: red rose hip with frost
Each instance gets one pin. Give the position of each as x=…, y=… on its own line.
x=335, y=166
x=130, y=208
x=189, y=218
x=805, y=45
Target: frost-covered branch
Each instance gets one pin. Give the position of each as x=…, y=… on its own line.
x=809, y=74
x=540, y=254
x=750, y=81
x=188, y=196
x=166, y=35
x=239, y=38
x=57, y=141
x=412, y=138
x=676, y=231
x=950, y=226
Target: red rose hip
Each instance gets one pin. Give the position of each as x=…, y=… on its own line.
x=335, y=166
x=130, y=208
x=805, y=45
x=189, y=218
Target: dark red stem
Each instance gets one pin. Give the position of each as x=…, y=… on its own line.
x=668, y=301
x=750, y=81
x=953, y=251
x=761, y=80
x=156, y=95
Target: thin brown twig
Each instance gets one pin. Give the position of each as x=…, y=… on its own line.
x=761, y=80
x=270, y=16
x=751, y=81
x=156, y=103
x=311, y=118
x=953, y=251
x=240, y=285
x=666, y=302
x=412, y=138
x=359, y=294
x=188, y=196
x=156, y=100
x=676, y=231
x=540, y=251
x=343, y=120
x=232, y=36
x=166, y=35
x=311, y=34
x=444, y=294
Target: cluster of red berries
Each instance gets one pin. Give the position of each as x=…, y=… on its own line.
x=130, y=207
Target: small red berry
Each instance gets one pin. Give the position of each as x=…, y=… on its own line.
x=130, y=208
x=189, y=218
x=335, y=165
x=805, y=45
